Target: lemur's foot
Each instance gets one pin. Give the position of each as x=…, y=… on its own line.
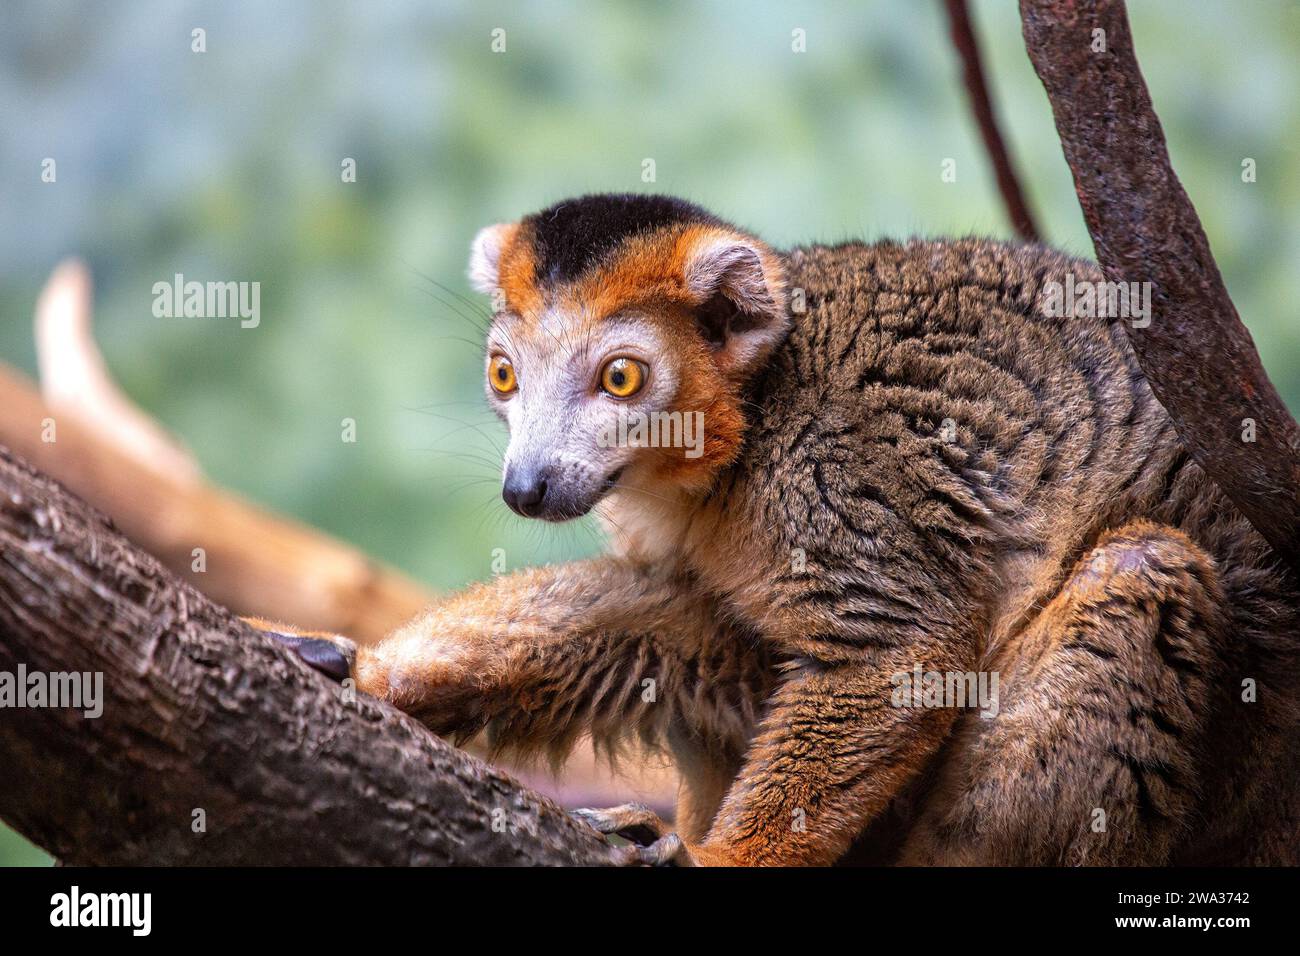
x=654, y=843
x=333, y=655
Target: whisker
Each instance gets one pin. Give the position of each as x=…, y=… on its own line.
x=476, y=306
x=622, y=487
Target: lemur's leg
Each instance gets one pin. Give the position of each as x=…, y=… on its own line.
x=828, y=758
x=605, y=647
x=1103, y=704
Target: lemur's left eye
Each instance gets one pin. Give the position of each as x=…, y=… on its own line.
x=622, y=377
x=502, y=375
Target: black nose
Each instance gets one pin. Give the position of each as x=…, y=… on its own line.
x=525, y=492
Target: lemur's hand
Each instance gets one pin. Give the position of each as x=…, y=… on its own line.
x=332, y=654
x=432, y=676
x=653, y=841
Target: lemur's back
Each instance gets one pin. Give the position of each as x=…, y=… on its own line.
x=1047, y=421
x=1037, y=429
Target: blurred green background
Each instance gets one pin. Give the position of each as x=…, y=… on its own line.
x=225, y=165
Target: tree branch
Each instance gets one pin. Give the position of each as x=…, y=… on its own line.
x=200, y=713
x=963, y=38
x=1199, y=358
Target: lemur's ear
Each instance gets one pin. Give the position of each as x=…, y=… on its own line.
x=740, y=287
x=485, y=256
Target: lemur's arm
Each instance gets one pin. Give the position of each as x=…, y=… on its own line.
x=543, y=656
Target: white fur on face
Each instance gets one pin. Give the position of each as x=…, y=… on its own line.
x=558, y=416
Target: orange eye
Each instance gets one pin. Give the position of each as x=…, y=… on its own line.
x=622, y=377
x=502, y=375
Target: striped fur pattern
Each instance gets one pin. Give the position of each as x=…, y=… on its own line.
x=921, y=468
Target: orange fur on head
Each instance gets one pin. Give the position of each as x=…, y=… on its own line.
x=517, y=275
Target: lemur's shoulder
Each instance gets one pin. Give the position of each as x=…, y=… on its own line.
x=920, y=266
x=924, y=353
x=951, y=295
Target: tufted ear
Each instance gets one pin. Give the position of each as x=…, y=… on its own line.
x=740, y=287
x=485, y=256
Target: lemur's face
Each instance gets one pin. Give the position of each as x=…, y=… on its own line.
x=624, y=329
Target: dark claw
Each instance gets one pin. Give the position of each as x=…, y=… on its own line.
x=636, y=823
x=322, y=655
x=326, y=658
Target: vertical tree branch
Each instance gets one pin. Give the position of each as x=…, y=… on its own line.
x=963, y=38
x=1197, y=355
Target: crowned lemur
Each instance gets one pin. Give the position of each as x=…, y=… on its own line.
x=905, y=468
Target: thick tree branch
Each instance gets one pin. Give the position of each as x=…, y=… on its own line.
x=963, y=38
x=202, y=714
x=1199, y=358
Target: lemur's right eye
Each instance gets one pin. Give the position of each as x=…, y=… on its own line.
x=502, y=375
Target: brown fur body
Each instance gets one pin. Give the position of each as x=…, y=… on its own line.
x=930, y=471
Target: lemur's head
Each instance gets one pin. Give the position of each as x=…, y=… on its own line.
x=625, y=329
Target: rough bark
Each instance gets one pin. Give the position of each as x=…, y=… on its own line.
x=1198, y=356
x=201, y=713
